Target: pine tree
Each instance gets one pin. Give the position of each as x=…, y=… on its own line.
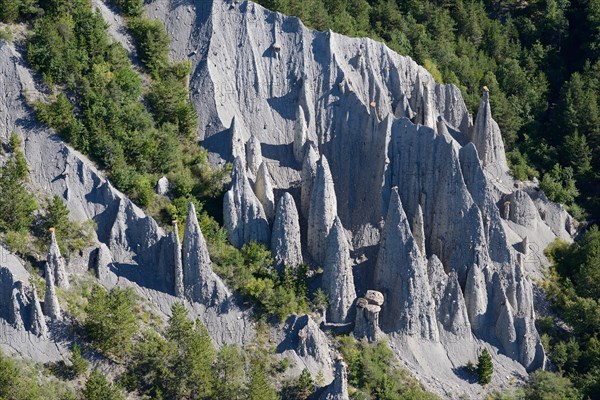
x=79, y=365
x=260, y=387
x=229, y=373
x=97, y=387
x=485, y=368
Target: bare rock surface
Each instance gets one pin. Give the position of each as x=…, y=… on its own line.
x=286, y=243
x=243, y=213
x=200, y=283
x=338, y=279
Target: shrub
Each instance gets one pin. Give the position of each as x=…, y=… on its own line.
x=111, y=321
x=544, y=385
x=97, y=387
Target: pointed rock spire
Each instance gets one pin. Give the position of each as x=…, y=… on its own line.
x=476, y=297
x=15, y=309
x=487, y=137
x=264, y=191
x=323, y=210
x=300, y=135
x=238, y=140
x=505, y=330
x=200, y=282
x=418, y=231
x=285, y=240
x=57, y=263
x=424, y=110
x=338, y=280
x=38, y=322
x=338, y=389
x=449, y=301
x=177, y=262
x=51, y=306
x=243, y=214
x=253, y=155
x=308, y=174
x=401, y=276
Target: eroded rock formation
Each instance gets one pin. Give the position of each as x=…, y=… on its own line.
x=368, y=308
x=57, y=263
x=286, y=244
x=243, y=214
x=200, y=282
x=338, y=279
x=322, y=213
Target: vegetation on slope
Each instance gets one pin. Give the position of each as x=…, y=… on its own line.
x=574, y=289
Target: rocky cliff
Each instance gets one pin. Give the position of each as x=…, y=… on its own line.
x=347, y=120
x=399, y=192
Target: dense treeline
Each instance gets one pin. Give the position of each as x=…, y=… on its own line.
x=574, y=289
x=539, y=59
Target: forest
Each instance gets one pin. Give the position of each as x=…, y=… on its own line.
x=540, y=60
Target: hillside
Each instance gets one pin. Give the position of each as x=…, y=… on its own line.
x=235, y=205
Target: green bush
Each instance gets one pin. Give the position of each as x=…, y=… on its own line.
x=544, y=385
x=373, y=370
x=152, y=43
x=111, y=320
x=97, y=387
x=131, y=8
x=79, y=365
x=17, y=205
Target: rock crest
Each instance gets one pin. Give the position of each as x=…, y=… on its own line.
x=286, y=245
x=338, y=279
x=323, y=211
x=200, y=282
x=57, y=263
x=487, y=137
x=243, y=214
x=401, y=276
x=264, y=191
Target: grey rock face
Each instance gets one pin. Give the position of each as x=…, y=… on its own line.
x=338, y=279
x=309, y=172
x=103, y=265
x=38, y=322
x=367, y=316
x=521, y=209
x=51, y=306
x=448, y=297
x=253, y=155
x=57, y=263
x=243, y=214
x=264, y=191
x=312, y=342
x=487, y=137
x=401, y=276
x=286, y=245
x=338, y=389
x=300, y=135
x=476, y=297
x=15, y=309
x=238, y=137
x=323, y=210
x=179, y=288
x=418, y=231
x=163, y=186
x=200, y=282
